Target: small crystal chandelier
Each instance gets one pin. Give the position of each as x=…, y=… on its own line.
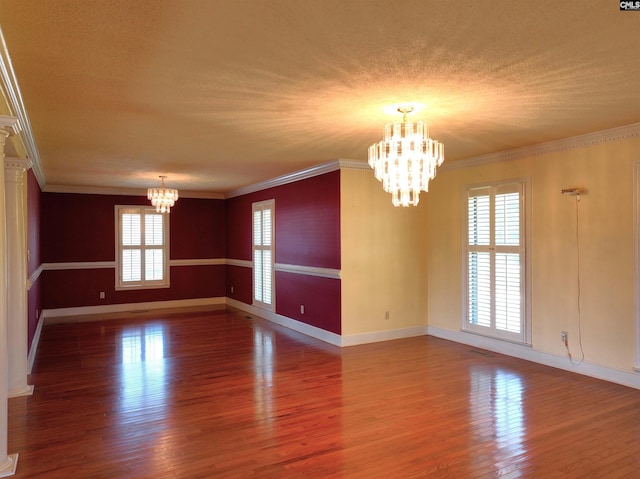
x=162, y=198
x=406, y=160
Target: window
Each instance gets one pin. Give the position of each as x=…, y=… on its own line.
x=495, y=262
x=263, y=257
x=142, y=242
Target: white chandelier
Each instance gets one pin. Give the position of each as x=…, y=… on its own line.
x=162, y=198
x=406, y=160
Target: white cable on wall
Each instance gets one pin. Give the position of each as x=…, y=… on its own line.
x=576, y=192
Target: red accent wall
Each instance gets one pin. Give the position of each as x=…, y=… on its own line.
x=81, y=228
x=207, y=218
x=307, y=233
x=307, y=227
x=34, y=301
x=320, y=297
x=241, y=280
x=81, y=287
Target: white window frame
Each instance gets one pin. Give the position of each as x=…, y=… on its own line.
x=258, y=248
x=493, y=249
x=142, y=283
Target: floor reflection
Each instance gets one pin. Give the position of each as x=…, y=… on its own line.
x=143, y=343
x=496, y=398
x=144, y=375
x=263, y=368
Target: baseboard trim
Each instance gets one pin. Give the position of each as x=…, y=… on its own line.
x=58, y=315
x=321, y=334
x=626, y=378
x=387, y=335
x=36, y=341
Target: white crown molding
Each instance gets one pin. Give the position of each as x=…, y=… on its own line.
x=308, y=270
x=604, y=136
x=107, y=190
x=299, y=175
x=13, y=97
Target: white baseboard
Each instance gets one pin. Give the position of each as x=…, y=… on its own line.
x=629, y=378
x=626, y=378
x=321, y=334
x=36, y=341
x=126, y=307
x=387, y=335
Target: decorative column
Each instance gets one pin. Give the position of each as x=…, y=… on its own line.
x=17, y=320
x=8, y=463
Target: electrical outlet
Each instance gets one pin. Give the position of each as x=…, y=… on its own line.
x=386, y=315
x=302, y=309
x=232, y=289
x=564, y=336
x=101, y=294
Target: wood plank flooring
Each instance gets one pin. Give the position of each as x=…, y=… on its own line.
x=219, y=395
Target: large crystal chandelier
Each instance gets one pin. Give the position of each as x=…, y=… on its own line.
x=162, y=198
x=406, y=160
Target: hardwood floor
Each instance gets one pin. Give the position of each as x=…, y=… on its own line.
x=219, y=395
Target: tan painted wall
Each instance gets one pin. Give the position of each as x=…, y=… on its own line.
x=383, y=258
x=606, y=239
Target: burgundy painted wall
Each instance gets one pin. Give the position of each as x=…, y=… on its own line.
x=34, y=301
x=320, y=297
x=241, y=279
x=204, y=217
x=307, y=229
x=81, y=287
x=77, y=227
x=307, y=233
x=80, y=228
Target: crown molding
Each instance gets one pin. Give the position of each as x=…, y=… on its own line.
x=107, y=190
x=573, y=142
x=13, y=97
x=299, y=175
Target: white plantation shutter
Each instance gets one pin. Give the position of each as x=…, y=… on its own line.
x=263, y=253
x=495, y=261
x=142, y=244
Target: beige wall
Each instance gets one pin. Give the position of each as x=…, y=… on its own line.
x=606, y=237
x=383, y=258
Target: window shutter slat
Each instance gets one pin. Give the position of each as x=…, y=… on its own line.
x=480, y=289
x=263, y=254
x=142, y=247
x=494, y=260
x=479, y=220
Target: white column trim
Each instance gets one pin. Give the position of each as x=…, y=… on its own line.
x=17, y=320
x=7, y=463
x=13, y=97
x=636, y=235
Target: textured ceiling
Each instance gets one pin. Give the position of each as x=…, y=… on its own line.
x=220, y=94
